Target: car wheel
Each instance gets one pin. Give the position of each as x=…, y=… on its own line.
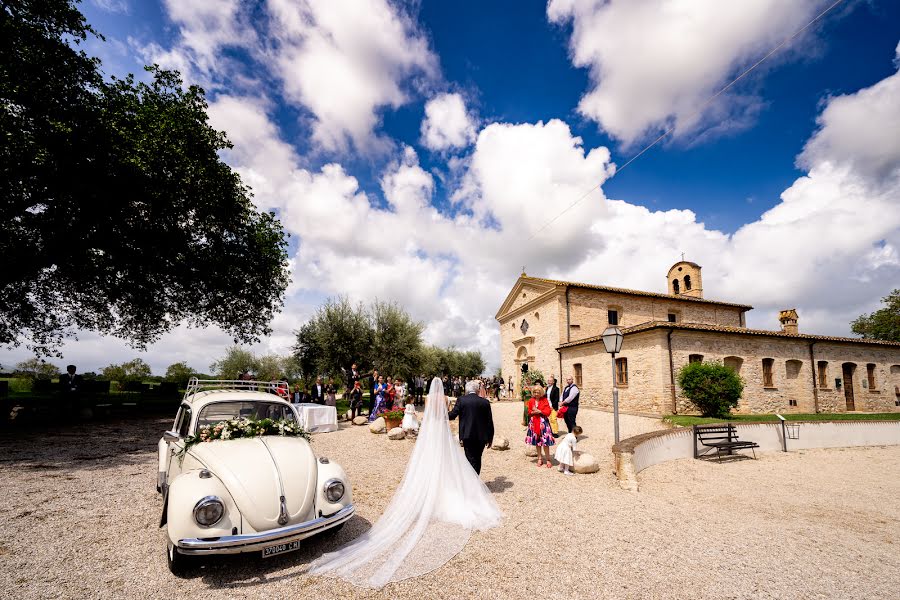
x=178, y=563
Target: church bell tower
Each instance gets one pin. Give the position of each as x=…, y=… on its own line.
x=685, y=280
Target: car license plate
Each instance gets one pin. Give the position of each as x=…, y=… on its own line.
x=281, y=548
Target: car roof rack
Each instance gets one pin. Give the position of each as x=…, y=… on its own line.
x=233, y=385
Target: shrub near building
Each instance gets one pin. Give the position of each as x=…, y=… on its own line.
x=713, y=388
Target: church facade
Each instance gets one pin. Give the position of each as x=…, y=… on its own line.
x=555, y=326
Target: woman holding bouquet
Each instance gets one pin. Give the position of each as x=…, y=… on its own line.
x=539, y=433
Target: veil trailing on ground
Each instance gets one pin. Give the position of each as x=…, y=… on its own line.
x=428, y=521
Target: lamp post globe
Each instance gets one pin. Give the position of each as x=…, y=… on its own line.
x=612, y=339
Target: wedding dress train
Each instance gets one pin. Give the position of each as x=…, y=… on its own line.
x=439, y=502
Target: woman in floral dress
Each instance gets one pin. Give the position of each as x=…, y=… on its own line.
x=539, y=433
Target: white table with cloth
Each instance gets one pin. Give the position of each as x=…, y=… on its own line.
x=317, y=418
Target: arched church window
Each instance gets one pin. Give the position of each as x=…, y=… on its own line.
x=687, y=282
x=676, y=286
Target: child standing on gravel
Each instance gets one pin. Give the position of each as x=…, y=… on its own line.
x=565, y=452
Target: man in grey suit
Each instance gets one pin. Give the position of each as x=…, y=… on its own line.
x=476, y=423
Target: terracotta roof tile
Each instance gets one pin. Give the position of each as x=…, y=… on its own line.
x=727, y=329
x=616, y=290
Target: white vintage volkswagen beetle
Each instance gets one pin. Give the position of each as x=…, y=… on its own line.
x=261, y=494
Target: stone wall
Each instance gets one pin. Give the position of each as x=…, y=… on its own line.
x=792, y=372
x=648, y=389
x=589, y=311
x=881, y=398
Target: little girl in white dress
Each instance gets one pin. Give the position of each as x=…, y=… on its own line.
x=410, y=423
x=565, y=451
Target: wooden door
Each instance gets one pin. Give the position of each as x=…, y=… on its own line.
x=848, y=369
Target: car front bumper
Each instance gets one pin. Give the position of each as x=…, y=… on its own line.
x=234, y=544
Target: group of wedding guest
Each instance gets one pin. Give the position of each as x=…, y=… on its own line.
x=542, y=429
x=386, y=394
x=318, y=393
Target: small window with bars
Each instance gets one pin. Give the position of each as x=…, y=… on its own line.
x=577, y=368
x=613, y=317
x=695, y=358
x=767, y=365
x=870, y=376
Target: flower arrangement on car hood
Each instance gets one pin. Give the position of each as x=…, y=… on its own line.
x=243, y=428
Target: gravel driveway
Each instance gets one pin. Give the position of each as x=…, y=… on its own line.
x=79, y=514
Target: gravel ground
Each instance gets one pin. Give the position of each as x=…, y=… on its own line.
x=80, y=513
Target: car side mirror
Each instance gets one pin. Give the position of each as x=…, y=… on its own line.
x=171, y=436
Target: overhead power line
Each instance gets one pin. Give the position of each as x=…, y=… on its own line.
x=695, y=113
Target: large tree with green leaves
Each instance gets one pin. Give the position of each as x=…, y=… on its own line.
x=132, y=370
x=179, y=373
x=35, y=368
x=382, y=336
x=396, y=340
x=236, y=362
x=338, y=335
x=884, y=323
x=119, y=214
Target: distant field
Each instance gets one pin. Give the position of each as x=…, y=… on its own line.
x=688, y=420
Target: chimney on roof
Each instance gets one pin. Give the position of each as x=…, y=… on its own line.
x=788, y=319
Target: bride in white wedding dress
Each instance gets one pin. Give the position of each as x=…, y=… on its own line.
x=440, y=501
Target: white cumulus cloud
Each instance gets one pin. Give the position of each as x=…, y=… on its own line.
x=447, y=123
x=344, y=61
x=653, y=63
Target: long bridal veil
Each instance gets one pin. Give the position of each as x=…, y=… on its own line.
x=428, y=521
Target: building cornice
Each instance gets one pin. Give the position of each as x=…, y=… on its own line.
x=651, y=325
x=531, y=304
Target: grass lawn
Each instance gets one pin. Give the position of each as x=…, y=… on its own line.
x=688, y=420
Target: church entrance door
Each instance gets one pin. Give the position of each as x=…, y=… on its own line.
x=848, y=370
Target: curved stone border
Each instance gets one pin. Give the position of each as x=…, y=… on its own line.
x=634, y=454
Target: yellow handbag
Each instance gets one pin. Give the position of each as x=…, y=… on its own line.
x=554, y=424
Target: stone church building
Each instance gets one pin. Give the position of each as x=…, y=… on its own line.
x=555, y=326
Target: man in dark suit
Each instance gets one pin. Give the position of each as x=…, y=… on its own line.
x=318, y=392
x=476, y=423
x=553, y=393
x=70, y=386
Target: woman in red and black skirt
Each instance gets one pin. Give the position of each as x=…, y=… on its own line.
x=539, y=433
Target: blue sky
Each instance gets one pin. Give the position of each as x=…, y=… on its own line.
x=529, y=105
x=514, y=66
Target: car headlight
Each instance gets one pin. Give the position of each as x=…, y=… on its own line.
x=334, y=490
x=208, y=511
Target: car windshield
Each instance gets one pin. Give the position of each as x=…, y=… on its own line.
x=223, y=411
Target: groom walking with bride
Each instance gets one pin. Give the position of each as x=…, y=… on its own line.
x=440, y=501
x=476, y=423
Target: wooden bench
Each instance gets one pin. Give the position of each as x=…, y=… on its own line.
x=722, y=438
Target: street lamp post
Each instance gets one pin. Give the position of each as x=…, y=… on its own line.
x=612, y=340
